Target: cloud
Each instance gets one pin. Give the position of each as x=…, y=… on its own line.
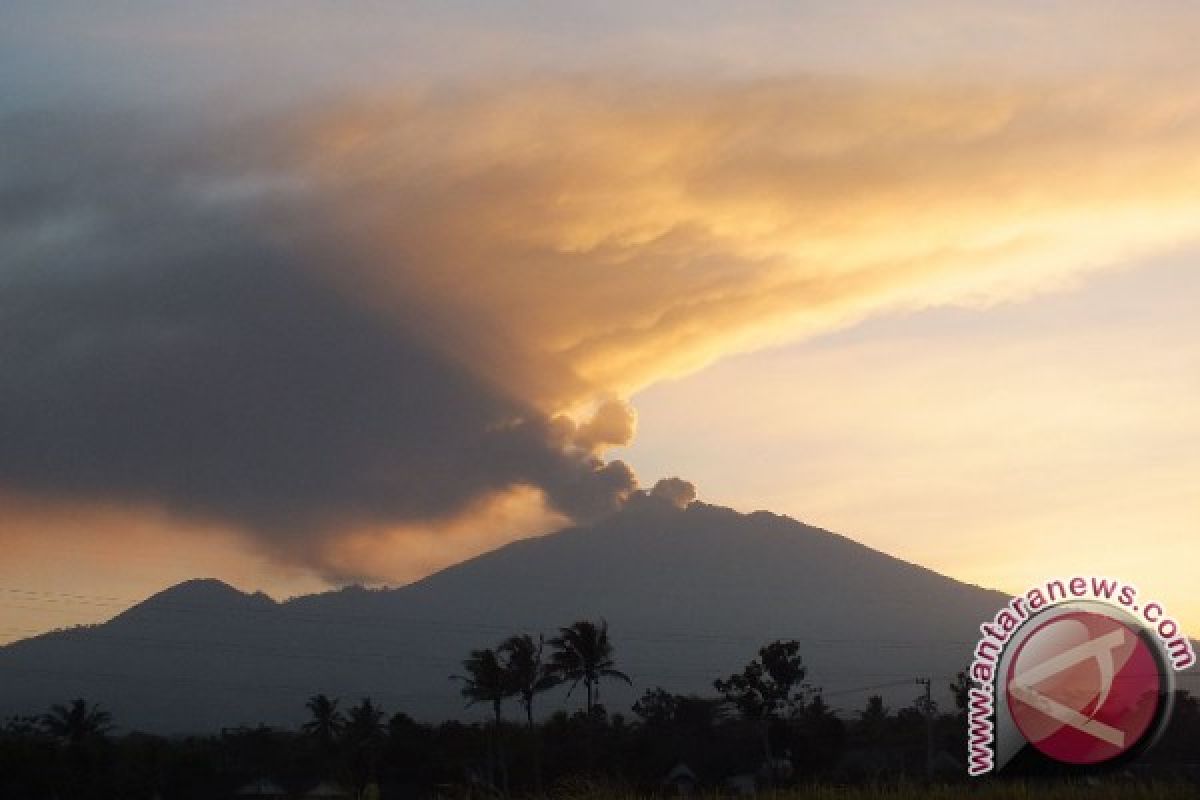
x=391, y=313
x=612, y=424
x=615, y=234
x=676, y=491
x=170, y=337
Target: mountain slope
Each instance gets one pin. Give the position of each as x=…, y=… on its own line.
x=689, y=596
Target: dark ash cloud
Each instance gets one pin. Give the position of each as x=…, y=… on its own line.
x=676, y=491
x=171, y=332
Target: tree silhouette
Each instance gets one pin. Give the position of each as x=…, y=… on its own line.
x=823, y=737
x=873, y=720
x=84, y=758
x=327, y=721
x=661, y=709
x=771, y=686
x=486, y=681
x=961, y=689
x=364, y=723
x=77, y=723
x=681, y=728
x=768, y=689
x=527, y=674
x=363, y=736
x=583, y=654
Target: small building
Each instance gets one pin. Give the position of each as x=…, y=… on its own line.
x=327, y=790
x=682, y=779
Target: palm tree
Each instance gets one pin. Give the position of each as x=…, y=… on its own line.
x=364, y=723
x=583, y=654
x=526, y=673
x=362, y=734
x=77, y=723
x=326, y=722
x=486, y=680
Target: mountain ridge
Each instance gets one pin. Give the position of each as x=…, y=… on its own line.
x=690, y=595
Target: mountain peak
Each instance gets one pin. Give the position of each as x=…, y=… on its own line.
x=206, y=594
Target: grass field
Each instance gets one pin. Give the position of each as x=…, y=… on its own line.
x=988, y=791
x=1003, y=791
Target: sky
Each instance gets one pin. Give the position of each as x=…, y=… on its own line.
x=301, y=294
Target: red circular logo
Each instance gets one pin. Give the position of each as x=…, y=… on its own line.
x=1084, y=688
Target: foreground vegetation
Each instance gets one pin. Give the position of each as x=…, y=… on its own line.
x=764, y=727
x=1009, y=790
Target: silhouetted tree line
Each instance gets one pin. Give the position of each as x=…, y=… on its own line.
x=764, y=723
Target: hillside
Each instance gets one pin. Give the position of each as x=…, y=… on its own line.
x=689, y=596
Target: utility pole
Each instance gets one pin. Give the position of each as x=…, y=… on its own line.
x=928, y=709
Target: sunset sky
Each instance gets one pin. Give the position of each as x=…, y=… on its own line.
x=295, y=294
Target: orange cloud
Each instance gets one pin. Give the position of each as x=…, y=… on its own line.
x=576, y=238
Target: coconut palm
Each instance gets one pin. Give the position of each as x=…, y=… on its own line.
x=527, y=674
x=583, y=654
x=485, y=681
x=327, y=721
x=364, y=723
x=362, y=739
x=76, y=723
